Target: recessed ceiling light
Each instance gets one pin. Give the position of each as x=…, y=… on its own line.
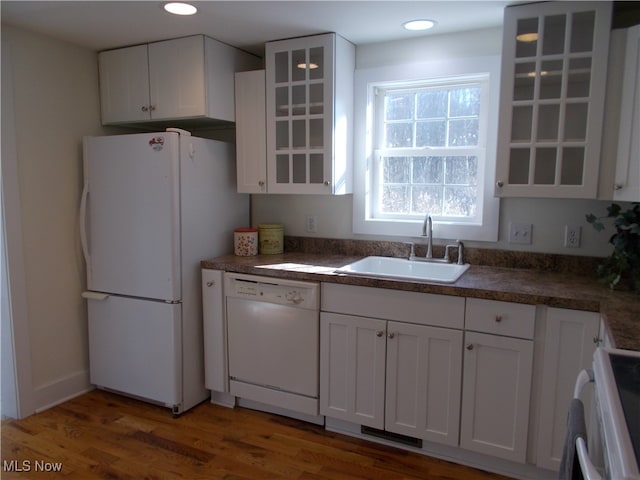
x=179, y=8
x=421, y=24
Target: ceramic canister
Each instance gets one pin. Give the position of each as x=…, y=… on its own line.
x=245, y=241
x=271, y=237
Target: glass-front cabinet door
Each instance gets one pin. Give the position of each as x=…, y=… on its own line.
x=552, y=99
x=301, y=90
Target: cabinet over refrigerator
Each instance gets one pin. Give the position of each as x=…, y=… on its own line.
x=153, y=206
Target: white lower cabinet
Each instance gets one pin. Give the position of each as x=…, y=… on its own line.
x=393, y=376
x=497, y=378
x=496, y=391
x=398, y=376
x=569, y=342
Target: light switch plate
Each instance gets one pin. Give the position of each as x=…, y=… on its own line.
x=520, y=233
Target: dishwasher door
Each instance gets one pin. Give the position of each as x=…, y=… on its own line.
x=273, y=345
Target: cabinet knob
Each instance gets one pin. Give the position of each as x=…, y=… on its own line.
x=152, y=107
x=261, y=183
x=145, y=108
x=210, y=283
x=498, y=318
x=327, y=183
x=500, y=183
x=470, y=346
x=379, y=333
x=618, y=186
x=391, y=335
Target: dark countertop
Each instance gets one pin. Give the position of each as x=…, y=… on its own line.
x=620, y=310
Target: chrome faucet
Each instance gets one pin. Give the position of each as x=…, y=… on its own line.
x=427, y=231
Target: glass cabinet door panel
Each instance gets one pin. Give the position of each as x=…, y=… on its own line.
x=281, y=67
x=282, y=168
x=316, y=99
x=299, y=134
x=282, y=135
x=316, y=63
x=316, y=133
x=548, y=122
x=572, y=166
x=298, y=100
x=582, y=31
x=524, y=82
x=527, y=37
x=579, y=78
x=282, y=101
x=551, y=79
x=521, y=124
x=545, y=167
x=519, y=166
x=298, y=65
x=299, y=168
x=316, y=168
x=554, y=32
x=575, y=125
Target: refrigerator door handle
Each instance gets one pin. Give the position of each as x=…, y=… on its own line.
x=83, y=223
x=95, y=295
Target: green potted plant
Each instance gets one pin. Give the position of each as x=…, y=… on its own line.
x=624, y=262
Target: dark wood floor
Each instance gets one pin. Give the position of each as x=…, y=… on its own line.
x=104, y=436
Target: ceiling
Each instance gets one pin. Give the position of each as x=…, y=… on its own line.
x=101, y=25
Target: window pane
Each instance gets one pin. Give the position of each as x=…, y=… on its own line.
x=431, y=134
x=432, y=104
x=399, y=106
x=465, y=102
x=428, y=169
x=396, y=170
x=395, y=199
x=399, y=135
x=460, y=201
x=427, y=200
x=463, y=132
x=462, y=171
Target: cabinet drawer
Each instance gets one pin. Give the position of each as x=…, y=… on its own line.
x=412, y=307
x=500, y=318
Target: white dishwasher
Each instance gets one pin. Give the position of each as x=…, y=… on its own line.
x=273, y=341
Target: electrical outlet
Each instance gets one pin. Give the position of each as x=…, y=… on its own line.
x=312, y=224
x=572, y=236
x=520, y=233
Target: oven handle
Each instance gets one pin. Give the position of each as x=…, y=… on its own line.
x=588, y=470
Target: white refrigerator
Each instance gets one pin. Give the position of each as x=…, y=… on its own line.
x=153, y=206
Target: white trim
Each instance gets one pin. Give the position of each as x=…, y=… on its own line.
x=11, y=216
x=61, y=390
x=363, y=223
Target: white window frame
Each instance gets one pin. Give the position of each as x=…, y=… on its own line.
x=485, y=226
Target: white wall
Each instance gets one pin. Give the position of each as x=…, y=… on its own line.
x=56, y=103
x=334, y=214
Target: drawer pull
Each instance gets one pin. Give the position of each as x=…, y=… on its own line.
x=391, y=335
x=498, y=318
x=210, y=283
x=379, y=333
x=470, y=346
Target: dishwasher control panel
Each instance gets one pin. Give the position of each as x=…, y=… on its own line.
x=272, y=290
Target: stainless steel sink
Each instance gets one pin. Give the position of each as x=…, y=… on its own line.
x=400, y=268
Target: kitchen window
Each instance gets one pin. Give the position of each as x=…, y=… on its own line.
x=429, y=148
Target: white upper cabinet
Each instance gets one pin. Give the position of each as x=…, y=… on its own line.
x=627, y=177
x=251, y=135
x=185, y=78
x=554, y=69
x=309, y=110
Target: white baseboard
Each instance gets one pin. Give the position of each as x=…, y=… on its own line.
x=61, y=390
